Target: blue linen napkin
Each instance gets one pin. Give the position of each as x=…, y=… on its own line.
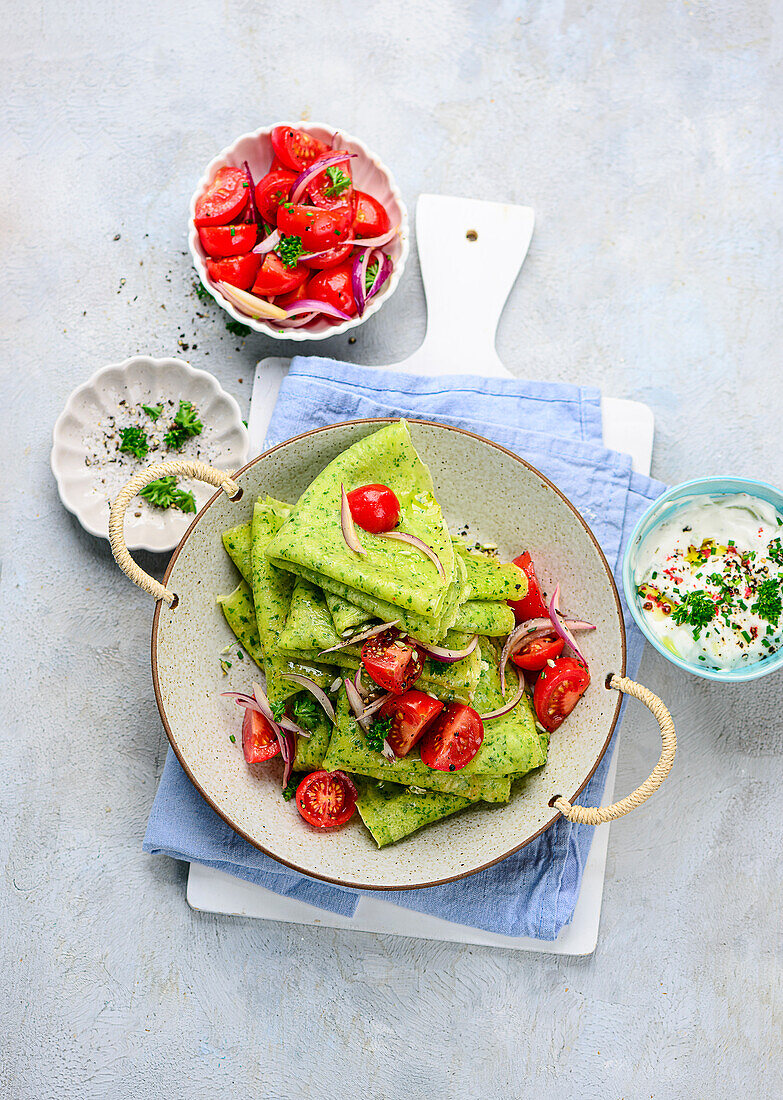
x=558, y=429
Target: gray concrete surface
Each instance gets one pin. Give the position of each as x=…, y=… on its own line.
x=647, y=138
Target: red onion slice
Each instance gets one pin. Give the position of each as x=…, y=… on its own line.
x=388, y=752
x=300, y=322
x=325, y=252
x=315, y=169
x=511, y=704
x=358, y=277
x=357, y=683
x=376, y=242
x=560, y=626
x=291, y=727
x=348, y=529
x=360, y=637
x=307, y=305
x=376, y=705
x=242, y=700
x=382, y=274
x=447, y=656
x=251, y=305
x=413, y=540
x=526, y=632
x=263, y=702
x=270, y=242
x=356, y=703
x=318, y=693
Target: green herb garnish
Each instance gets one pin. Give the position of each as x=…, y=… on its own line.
x=278, y=710
x=768, y=603
x=775, y=551
x=201, y=291
x=378, y=732
x=237, y=328
x=290, y=788
x=289, y=250
x=306, y=712
x=134, y=442
x=164, y=493
x=153, y=411
x=369, y=278
x=696, y=609
x=185, y=424
x=232, y=739
x=338, y=181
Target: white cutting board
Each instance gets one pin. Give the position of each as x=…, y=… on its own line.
x=469, y=251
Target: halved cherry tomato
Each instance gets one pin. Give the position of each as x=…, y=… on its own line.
x=335, y=287
x=410, y=713
x=326, y=799
x=391, y=662
x=286, y=300
x=532, y=605
x=374, y=507
x=534, y=655
x=223, y=199
x=328, y=189
x=228, y=240
x=239, y=271
x=558, y=690
x=453, y=739
x=319, y=230
x=370, y=219
x=275, y=278
x=331, y=258
x=273, y=189
x=295, y=148
x=259, y=741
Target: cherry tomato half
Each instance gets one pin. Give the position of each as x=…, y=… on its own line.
x=259, y=741
x=391, y=662
x=410, y=713
x=224, y=198
x=239, y=271
x=558, y=689
x=273, y=189
x=532, y=606
x=370, y=219
x=330, y=259
x=326, y=799
x=534, y=655
x=295, y=148
x=286, y=300
x=453, y=739
x=228, y=240
x=374, y=507
x=333, y=187
x=275, y=278
x=320, y=230
x=335, y=286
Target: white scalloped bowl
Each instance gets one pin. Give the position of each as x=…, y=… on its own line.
x=87, y=486
x=369, y=174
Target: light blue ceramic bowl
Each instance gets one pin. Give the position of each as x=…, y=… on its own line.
x=661, y=511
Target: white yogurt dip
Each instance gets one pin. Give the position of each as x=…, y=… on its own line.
x=710, y=580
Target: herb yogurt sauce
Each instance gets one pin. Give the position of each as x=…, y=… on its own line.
x=710, y=581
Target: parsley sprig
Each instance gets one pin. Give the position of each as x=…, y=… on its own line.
x=185, y=425
x=306, y=712
x=290, y=788
x=134, y=441
x=289, y=250
x=338, y=181
x=278, y=710
x=164, y=493
x=378, y=732
x=153, y=411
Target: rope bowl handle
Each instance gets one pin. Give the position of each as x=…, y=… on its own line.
x=182, y=467
x=589, y=815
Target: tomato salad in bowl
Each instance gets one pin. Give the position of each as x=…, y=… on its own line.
x=298, y=231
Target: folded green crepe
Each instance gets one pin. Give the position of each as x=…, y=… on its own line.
x=308, y=625
x=489, y=578
x=237, y=543
x=492, y=619
x=346, y=616
x=392, y=812
x=511, y=744
x=310, y=751
x=348, y=751
x=240, y=615
x=311, y=543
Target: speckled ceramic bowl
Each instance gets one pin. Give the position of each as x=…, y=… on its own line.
x=502, y=499
x=369, y=173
